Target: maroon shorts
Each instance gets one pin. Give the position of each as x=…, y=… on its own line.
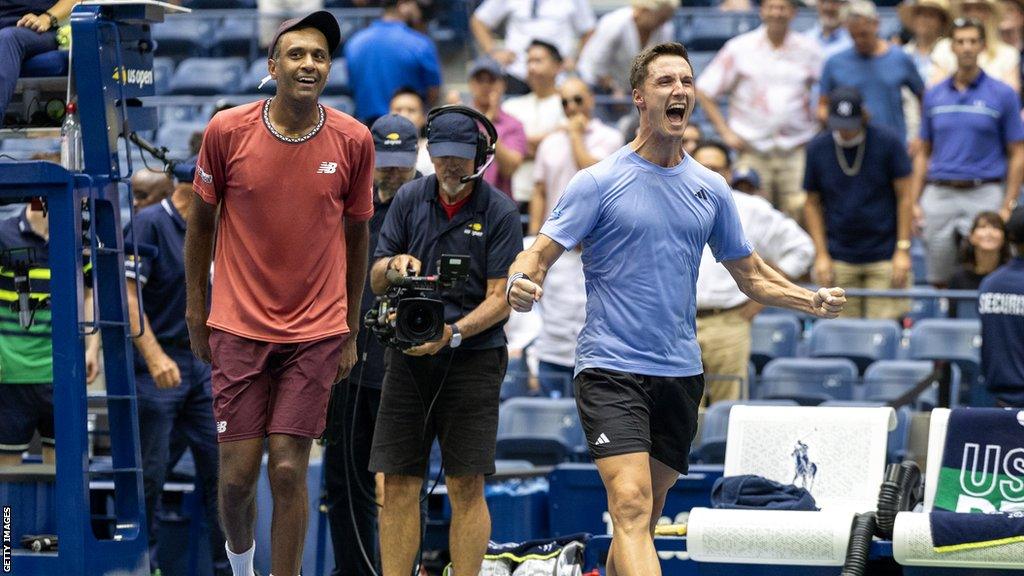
x=262, y=388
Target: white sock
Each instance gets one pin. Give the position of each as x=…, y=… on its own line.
x=241, y=564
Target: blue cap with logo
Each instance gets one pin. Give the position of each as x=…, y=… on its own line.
x=845, y=109
x=747, y=175
x=394, y=142
x=452, y=134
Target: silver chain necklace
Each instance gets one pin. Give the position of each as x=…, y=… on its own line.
x=298, y=139
x=857, y=159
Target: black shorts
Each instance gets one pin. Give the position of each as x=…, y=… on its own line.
x=25, y=408
x=623, y=413
x=464, y=417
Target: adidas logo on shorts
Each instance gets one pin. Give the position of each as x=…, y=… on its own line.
x=602, y=439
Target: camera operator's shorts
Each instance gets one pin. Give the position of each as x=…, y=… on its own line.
x=623, y=413
x=262, y=388
x=464, y=417
x=25, y=408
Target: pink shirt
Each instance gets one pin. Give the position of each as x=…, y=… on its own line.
x=512, y=136
x=280, y=259
x=769, y=89
x=555, y=164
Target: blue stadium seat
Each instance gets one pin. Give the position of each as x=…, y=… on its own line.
x=809, y=381
x=176, y=137
x=955, y=340
x=773, y=336
x=804, y=21
x=699, y=61
x=516, y=374
x=254, y=75
x=544, y=431
x=711, y=32
x=337, y=81
x=860, y=340
x=887, y=380
x=163, y=70
x=179, y=37
x=715, y=429
x=220, y=4
x=965, y=309
x=236, y=37
x=921, y=308
x=899, y=437
x=208, y=76
x=919, y=262
x=340, y=103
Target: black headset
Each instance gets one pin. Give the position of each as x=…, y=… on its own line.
x=485, y=144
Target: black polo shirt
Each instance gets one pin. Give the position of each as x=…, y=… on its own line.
x=487, y=229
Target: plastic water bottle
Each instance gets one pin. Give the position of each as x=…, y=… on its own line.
x=71, y=140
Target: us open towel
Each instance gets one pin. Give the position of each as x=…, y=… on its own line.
x=979, y=498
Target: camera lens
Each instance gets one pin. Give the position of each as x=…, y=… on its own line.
x=420, y=320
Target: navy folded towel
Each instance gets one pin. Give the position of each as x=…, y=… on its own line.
x=953, y=531
x=751, y=492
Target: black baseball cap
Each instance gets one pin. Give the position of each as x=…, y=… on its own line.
x=452, y=134
x=322, y=20
x=394, y=141
x=1015, y=227
x=845, y=109
x=748, y=175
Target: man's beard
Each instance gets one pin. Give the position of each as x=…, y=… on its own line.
x=452, y=190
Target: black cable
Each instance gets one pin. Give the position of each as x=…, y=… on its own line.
x=859, y=548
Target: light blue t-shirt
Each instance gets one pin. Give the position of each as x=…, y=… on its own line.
x=643, y=228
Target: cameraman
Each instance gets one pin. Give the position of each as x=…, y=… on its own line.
x=447, y=388
x=351, y=488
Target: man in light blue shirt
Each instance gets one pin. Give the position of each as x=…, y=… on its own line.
x=829, y=32
x=643, y=217
x=876, y=69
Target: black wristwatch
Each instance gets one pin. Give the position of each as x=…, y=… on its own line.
x=53, y=20
x=456, y=340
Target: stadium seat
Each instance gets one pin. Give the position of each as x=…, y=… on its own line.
x=711, y=448
x=699, y=61
x=544, y=431
x=182, y=37
x=899, y=437
x=809, y=381
x=254, y=75
x=921, y=308
x=337, y=81
x=919, y=262
x=236, y=37
x=516, y=375
x=176, y=137
x=965, y=309
x=340, y=103
x=163, y=70
x=860, y=340
x=955, y=340
x=773, y=336
x=887, y=380
x=711, y=32
x=208, y=76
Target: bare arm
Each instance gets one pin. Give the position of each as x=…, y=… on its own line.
x=1014, y=175
x=41, y=22
x=920, y=171
x=538, y=207
x=198, y=252
x=92, y=342
x=534, y=262
x=508, y=160
x=714, y=113
x=580, y=154
x=823, y=108
x=357, y=246
x=482, y=34
x=761, y=283
x=162, y=368
x=904, y=207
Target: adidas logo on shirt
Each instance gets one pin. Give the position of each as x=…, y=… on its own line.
x=702, y=194
x=327, y=168
x=602, y=439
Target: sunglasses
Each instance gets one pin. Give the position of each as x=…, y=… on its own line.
x=578, y=100
x=967, y=23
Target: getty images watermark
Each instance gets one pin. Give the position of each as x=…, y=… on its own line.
x=7, y=540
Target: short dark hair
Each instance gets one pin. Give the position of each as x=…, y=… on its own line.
x=638, y=70
x=967, y=256
x=962, y=23
x=409, y=91
x=715, y=145
x=551, y=48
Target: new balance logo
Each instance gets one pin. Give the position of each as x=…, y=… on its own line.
x=327, y=168
x=602, y=439
x=702, y=194
x=222, y=427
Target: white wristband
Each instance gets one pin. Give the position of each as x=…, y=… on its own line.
x=508, y=285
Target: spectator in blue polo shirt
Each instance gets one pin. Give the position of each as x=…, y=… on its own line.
x=972, y=152
x=872, y=66
x=858, y=206
x=387, y=56
x=173, y=386
x=351, y=487
x=1001, y=307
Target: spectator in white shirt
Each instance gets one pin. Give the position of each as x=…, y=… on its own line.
x=540, y=111
x=583, y=142
x=724, y=313
x=767, y=75
x=566, y=24
x=620, y=35
x=562, y=314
